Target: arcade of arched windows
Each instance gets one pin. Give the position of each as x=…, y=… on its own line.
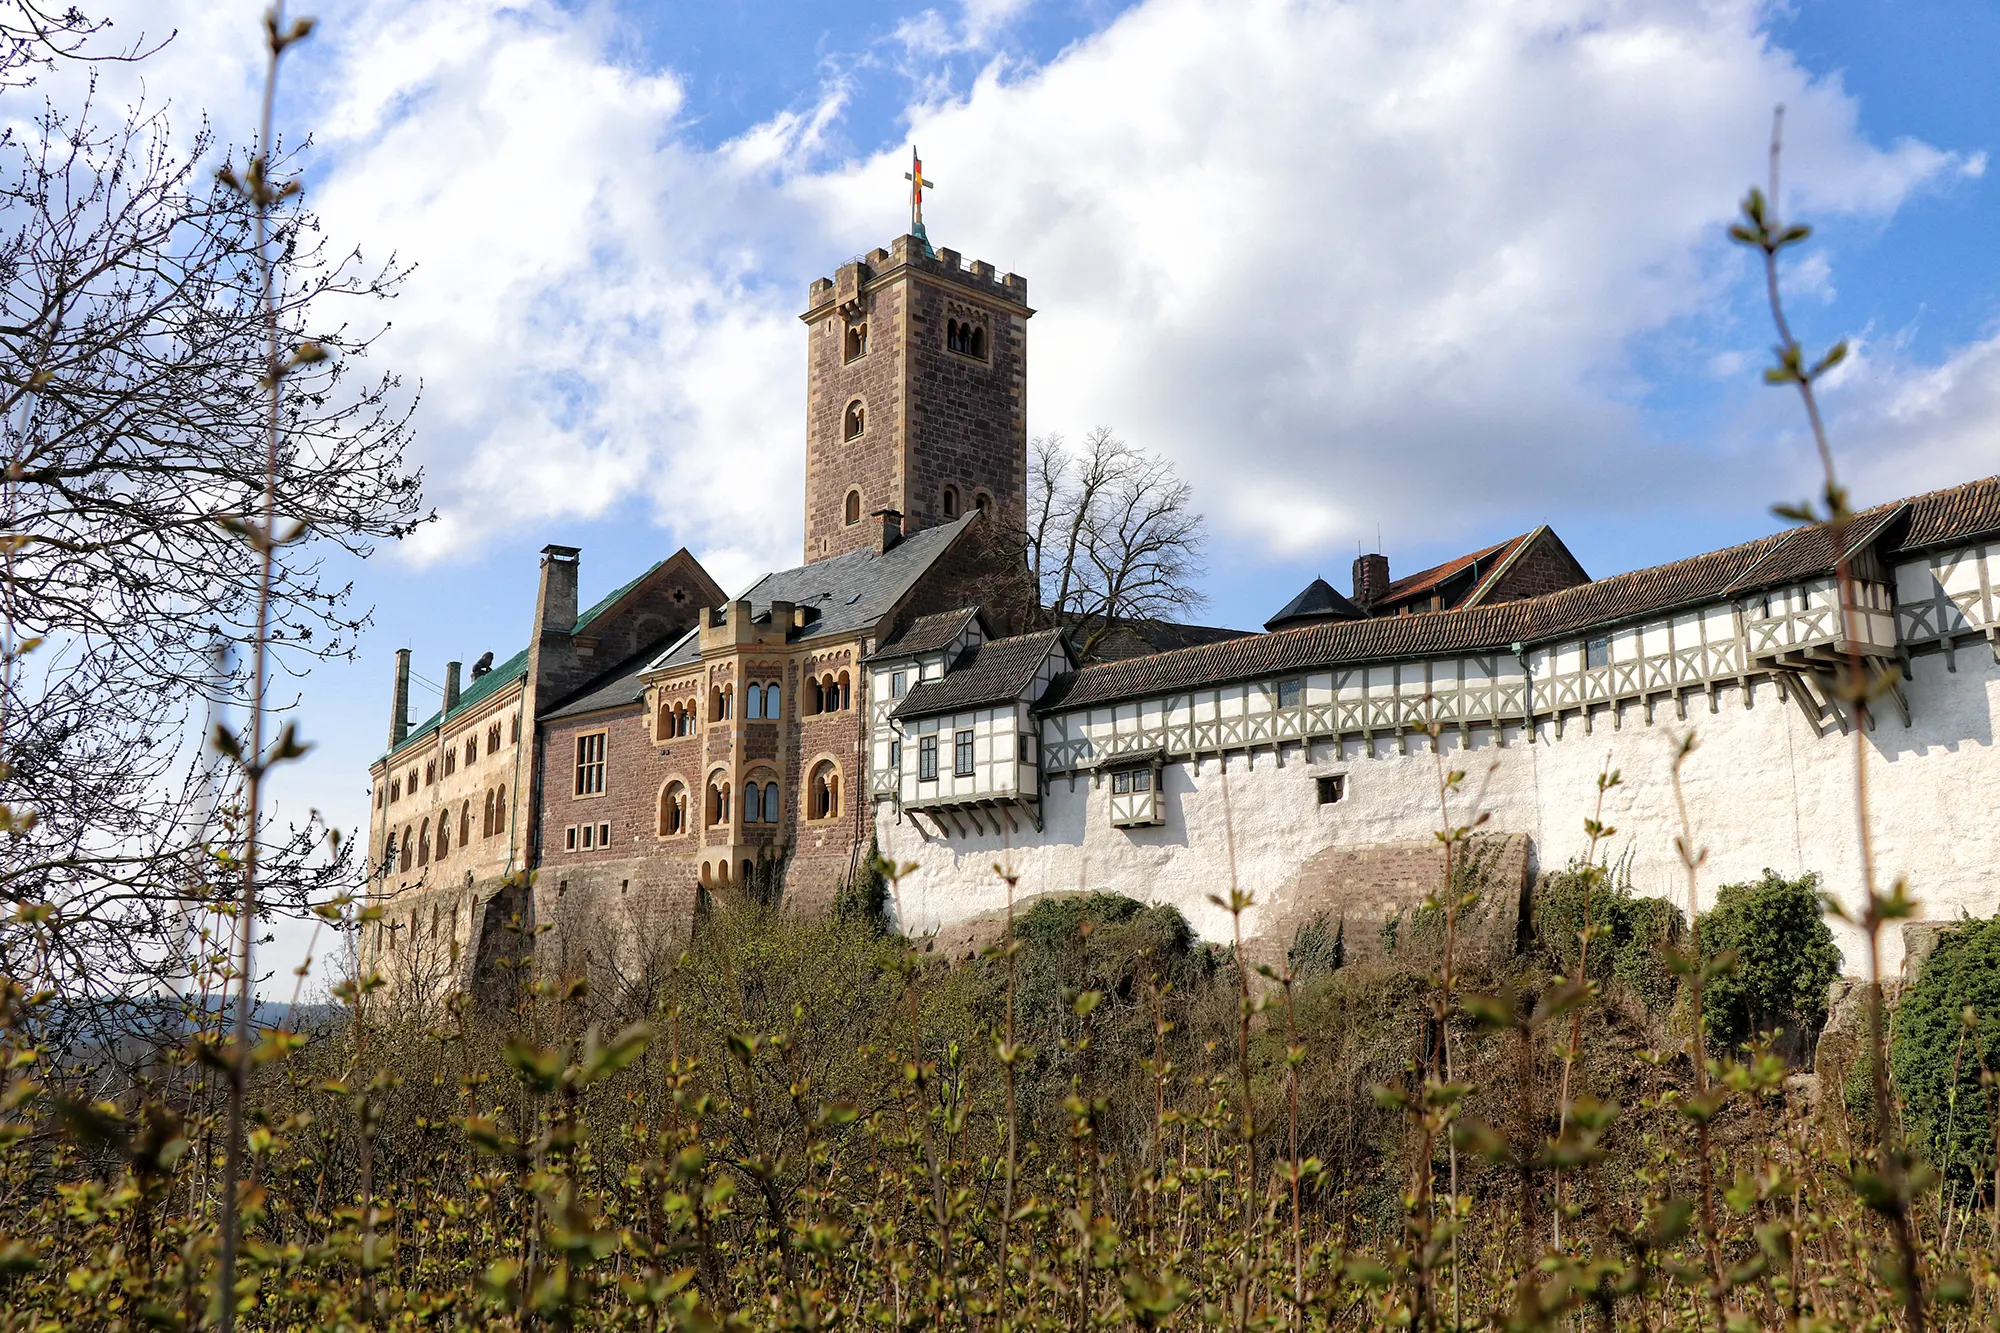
x=828, y=692
x=823, y=791
x=674, y=717
x=717, y=803
x=674, y=812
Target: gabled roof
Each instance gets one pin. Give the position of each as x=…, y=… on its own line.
x=992, y=672
x=623, y=684
x=927, y=634
x=1318, y=602
x=845, y=594
x=1423, y=581
x=1899, y=528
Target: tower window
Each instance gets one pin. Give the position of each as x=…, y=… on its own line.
x=857, y=341
x=951, y=502
x=853, y=512
x=966, y=337
x=857, y=419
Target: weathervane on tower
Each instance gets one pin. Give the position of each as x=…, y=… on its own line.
x=915, y=176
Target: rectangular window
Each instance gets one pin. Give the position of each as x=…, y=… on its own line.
x=1025, y=748
x=1288, y=694
x=1332, y=788
x=1142, y=779
x=899, y=684
x=1121, y=782
x=604, y=835
x=1597, y=652
x=590, y=764
x=895, y=756
x=589, y=836
x=927, y=759
x=961, y=755
x=569, y=838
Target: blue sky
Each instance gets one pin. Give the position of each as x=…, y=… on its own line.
x=1443, y=271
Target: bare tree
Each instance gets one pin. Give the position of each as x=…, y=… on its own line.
x=1112, y=537
x=134, y=420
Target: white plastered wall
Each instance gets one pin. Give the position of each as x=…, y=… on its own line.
x=1763, y=789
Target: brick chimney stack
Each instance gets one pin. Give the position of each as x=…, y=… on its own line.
x=451, y=670
x=1371, y=579
x=892, y=529
x=399, y=708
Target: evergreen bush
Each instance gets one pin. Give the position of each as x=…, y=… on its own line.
x=1935, y=1059
x=1785, y=960
x=1631, y=950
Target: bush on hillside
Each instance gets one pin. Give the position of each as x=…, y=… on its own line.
x=1785, y=960
x=1935, y=1059
x=1631, y=951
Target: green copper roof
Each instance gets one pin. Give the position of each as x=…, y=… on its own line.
x=511, y=670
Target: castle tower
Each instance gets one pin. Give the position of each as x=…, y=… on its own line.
x=916, y=395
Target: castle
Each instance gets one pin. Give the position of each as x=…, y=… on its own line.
x=669, y=744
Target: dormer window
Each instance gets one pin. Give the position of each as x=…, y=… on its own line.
x=856, y=420
x=857, y=341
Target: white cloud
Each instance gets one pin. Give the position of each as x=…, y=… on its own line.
x=1341, y=261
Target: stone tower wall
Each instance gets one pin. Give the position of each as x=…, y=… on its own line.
x=934, y=416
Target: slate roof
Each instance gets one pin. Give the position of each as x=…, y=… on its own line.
x=1902, y=527
x=849, y=594
x=1319, y=601
x=623, y=684
x=926, y=634
x=990, y=673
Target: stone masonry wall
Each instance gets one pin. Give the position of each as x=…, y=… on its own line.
x=1541, y=569
x=873, y=461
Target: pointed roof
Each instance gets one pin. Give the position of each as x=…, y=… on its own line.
x=1320, y=601
x=992, y=672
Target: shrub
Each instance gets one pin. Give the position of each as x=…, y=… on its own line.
x=1629, y=952
x=1935, y=1060
x=1785, y=960
x=864, y=900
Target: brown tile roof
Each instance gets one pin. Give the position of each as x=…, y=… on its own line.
x=995, y=671
x=1955, y=515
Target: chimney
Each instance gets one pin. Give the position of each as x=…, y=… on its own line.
x=892, y=528
x=399, y=712
x=1371, y=579
x=450, y=686
x=555, y=609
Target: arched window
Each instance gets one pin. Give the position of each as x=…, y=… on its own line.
x=753, y=702
x=465, y=823
x=715, y=704
x=486, y=822
x=815, y=697
x=823, y=791
x=753, y=809
x=471, y=750
x=853, y=424
x=687, y=720
x=770, y=803
x=405, y=863
x=673, y=810
x=983, y=502
x=718, y=801
x=976, y=344
x=444, y=835
x=396, y=790
x=771, y=701
x=493, y=738
x=514, y=729
x=852, y=513
x=424, y=843
x=846, y=700
x=951, y=502
x=857, y=341
x=500, y=809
